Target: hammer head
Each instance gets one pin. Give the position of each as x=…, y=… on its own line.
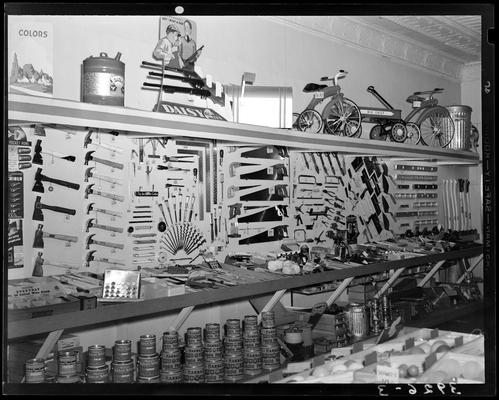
x=88, y=173
x=89, y=240
x=37, y=212
x=38, y=186
x=38, y=240
x=88, y=156
x=89, y=257
x=90, y=207
x=88, y=138
x=89, y=224
x=89, y=190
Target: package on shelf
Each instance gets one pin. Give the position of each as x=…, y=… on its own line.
x=152, y=288
x=34, y=291
x=465, y=368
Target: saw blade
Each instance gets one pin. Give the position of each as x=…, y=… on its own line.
x=269, y=152
x=271, y=235
x=278, y=193
x=276, y=172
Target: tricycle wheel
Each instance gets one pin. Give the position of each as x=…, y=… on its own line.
x=309, y=121
x=398, y=133
x=377, y=133
x=413, y=133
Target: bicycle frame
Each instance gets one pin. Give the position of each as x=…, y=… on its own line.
x=431, y=102
x=321, y=95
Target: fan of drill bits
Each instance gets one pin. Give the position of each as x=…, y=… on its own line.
x=180, y=232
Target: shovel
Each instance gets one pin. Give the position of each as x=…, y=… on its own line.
x=316, y=313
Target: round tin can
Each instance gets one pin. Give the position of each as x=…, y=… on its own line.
x=271, y=357
x=122, y=350
x=68, y=379
x=194, y=336
x=251, y=340
x=233, y=327
x=250, y=322
x=193, y=354
x=252, y=360
x=35, y=370
x=171, y=376
x=99, y=374
x=234, y=366
x=96, y=355
x=148, y=366
x=213, y=350
x=66, y=363
x=170, y=339
x=152, y=379
x=214, y=371
x=147, y=345
x=171, y=359
x=212, y=332
x=193, y=373
x=268, y=319
x=122, y=371
x=357, y=320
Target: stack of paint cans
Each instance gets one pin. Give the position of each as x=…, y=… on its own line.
x=122, y=365
x=171, y=358
x=213, y=354
x=270, y=347
x=233, y=351
x=34, y=371
x=97, y=369
x=67, y=368
x=374, y=316
x=148, y=360
x=386, y=311
x=251, y=345
x=193, y=356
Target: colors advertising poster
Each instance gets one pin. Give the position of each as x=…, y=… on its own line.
x=15, y=253
x=30, y=57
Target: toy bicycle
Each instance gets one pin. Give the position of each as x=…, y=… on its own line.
x=340, y=116
x=427, y=123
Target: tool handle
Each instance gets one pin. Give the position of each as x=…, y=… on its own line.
x=108, y=244
x=66, y=238
x=60, y=182
x=58, y=209
x=108, y=162
x=109, y=195
x=107, y=228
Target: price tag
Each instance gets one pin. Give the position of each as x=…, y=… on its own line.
x=270, y=149
x=429, y=361
x=434, y=333
x=270, y=233
x=357, y=347
x=318, y=95
x=387, y=374
x=371, y=358
x=271, y=190
x=459, y=341
x=409, y=343
x=416, y=104
x=270, y=170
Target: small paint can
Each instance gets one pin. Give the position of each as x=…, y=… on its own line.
x=251, y=340
x=66, y=363
x=268, y=319
x=171, y=376
x=122, y=371
x=148, y=366
x=250, y=322
x=170, y=340
x=98, y=374
x=96, y=355
x=233, y=366
x=122, y=350
x=193, y=354
x=252, y=360
x=35, y=370
x=214, y=371
x=171, y=359
x=213, y=350
x=271, y=357
x=232, y=327
x=68, y=379
x=147, y=345
x=193, y=373
x=212, y=332
x=194, y=336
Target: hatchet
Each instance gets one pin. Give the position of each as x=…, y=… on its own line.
x=90, y=224
x=39, y=235
x=89, y=190
x=38, y=159
x=39, y=177
x=39, y=206
x=91, y=207
x=90, y=157
x=90, y=174
x=90, y=240
x=88, y=140
x=90, y=257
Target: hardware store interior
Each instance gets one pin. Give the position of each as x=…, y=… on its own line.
x=191, y=202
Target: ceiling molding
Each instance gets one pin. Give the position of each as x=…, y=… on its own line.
x=472, y=72
x=359, y=34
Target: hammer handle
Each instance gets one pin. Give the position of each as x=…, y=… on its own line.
x=107, y=228
x=108, y=244
x=107, y=162
x=58, y=209
x=109, y=195
x=62, y=183
x=66, y=238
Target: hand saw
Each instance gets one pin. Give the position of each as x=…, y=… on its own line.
x=277, y=193
x=276, y=172
x=271, y=235
x=275, y=213
x=274, y=152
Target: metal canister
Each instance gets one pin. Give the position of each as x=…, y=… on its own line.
x=251, y=338
x=103, y=80
x=193, y=354
x=66, y=363
x=98, y=374
x=212, y=332
x=171, y=359
x=252, y=360
x=357, y=320
x=68, y=379
x=268, y=319
x=271, y=357
x=171, y=376
x=96, y=355
x=147, y=345
x=122, y=350
x=122, y=371
x=461, y=116
x=148, y=366
x=233, y=343
x=233, y=327
x=170, y=339
x=269, y=336
x=35, y=370
x=213, y=350
x=194, y=336
x=250, y=322
x=386, y=312
x=233, y=366
x=214, y=371
x=194, y=373
x=374, y=316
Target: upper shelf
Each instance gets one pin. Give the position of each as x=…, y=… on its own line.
x=148, y=123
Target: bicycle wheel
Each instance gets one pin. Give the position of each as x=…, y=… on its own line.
x=309, y=121
x=377, y=133
x=436, y=126
x=342, y=118
x=413, y=133
x=398, y=133
x=295, y=120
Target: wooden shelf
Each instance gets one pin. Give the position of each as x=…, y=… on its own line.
x=135, y=122
x=115, y=312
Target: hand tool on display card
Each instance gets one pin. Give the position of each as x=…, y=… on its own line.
x=90, y=223
x=233, y=166
x=328, y=156
x=38, y=159
x=401, y=187
x=416, y=177
x=90, y=174
x=316, y=167
x=90, y=241
x=462, y=210
x=468, y=204
x=308, y=180
x=89, y=190
x=232, y=189
x=340, y=166
x=307, y=165
x=271, y=235
x=90, y=207
x=454, y=217
x=89, y=157
x=267, y=152
x=275, y=213
x=172, y=169
x=420, y=168
x=23, y=150
x=275, y=172
x=322, y=162
x=38, y=242
x=88, y=140
x=39, y=206
x=276, y=193
x=90, y=256
x=40, y=178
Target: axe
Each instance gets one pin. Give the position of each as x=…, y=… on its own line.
x=39, y=177
x=37, y=157
x=91, y=207
x=39, y=235
x=39, y=206
x=89, y=240
x=89, y=174
x=90, y=190
x=88, y=140
x=90, y=257
x=90, y=224
x=90, y=157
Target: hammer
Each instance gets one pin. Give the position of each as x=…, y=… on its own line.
x=89, y=240
x=91, y=207
x=90, y=224
x=38, y=186
x=89, y=174
x=90, y=190
x=38, y=214
x=88, y=140
x=90, y=157
x=90, y=257
x=37, y=157
x=39, y=235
